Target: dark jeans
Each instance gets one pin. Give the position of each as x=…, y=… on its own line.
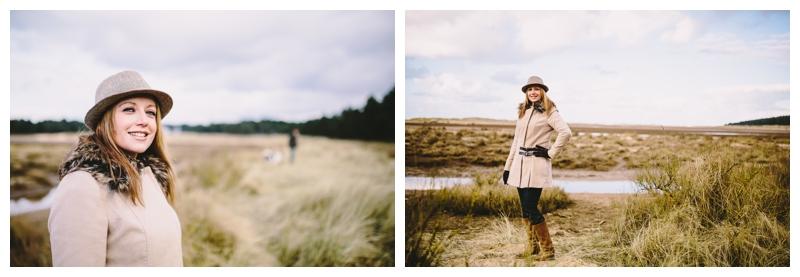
x=529, y=199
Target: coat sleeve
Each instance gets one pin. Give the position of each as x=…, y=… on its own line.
x=511, y=151
x=564, y=133
x=77, y=222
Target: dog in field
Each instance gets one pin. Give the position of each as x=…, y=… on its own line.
x=272, y=156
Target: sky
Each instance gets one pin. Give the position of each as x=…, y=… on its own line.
x=685, y=68
x=217, y=66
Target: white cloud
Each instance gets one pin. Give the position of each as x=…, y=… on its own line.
x=459, y=95
x=774, y=46
x=524, y=34
x=615, y=67
x=751, y=90
x=683, y=31
x=44, y=84
x=449, y=85
x=550, y=31
x=229, y=64
x=453, y=34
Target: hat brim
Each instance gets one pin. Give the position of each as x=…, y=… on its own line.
x=93, y=116
x=525, y=87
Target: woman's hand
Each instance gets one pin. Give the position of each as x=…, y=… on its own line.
x=505, y=177
x=541, y=152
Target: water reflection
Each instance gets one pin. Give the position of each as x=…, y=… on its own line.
x=23, y=205
x=569, y=186
x=426, y=183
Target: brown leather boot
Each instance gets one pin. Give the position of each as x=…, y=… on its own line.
x=533, y=240
x=532, y=247
x=548, y=252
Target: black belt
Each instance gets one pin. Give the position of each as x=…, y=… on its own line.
x=527, y=152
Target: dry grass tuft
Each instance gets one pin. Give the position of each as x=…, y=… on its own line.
x=720, y=209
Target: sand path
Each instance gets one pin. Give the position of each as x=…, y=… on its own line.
x=496, y=241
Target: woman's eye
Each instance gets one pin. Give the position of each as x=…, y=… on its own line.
x=127, y=109
x=152, y=113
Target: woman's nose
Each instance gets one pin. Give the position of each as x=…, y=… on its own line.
x=141, y=119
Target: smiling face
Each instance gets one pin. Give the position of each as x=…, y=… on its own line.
x=135, y=124
x=534, y=93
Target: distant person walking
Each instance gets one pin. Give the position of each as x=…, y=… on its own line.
x=293, y=135
x=113, y=203
x=528, y=167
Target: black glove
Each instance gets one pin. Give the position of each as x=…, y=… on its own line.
x=505, y=177
x=541, y=152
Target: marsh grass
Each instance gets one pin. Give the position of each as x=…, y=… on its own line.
x=218, y=235
x=719, y=209
x=714, y=201
x=351, y=226
x=487, y=199
x=425, y=239
x=324, y=210
x=333, y=207
x=507, y=232
x=436, y=147
x=34, y=169
x=30, y=244
x=429, y=148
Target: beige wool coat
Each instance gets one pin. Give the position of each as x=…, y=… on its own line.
x=535, y=128
x=91, y=225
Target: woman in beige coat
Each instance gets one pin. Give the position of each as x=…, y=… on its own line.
x=113, y=204
x=528, y=166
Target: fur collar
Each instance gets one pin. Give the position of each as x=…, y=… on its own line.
x=538, y=107
x=87, y=157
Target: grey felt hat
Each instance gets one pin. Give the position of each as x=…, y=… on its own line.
x=120, y=86
x=535, y=81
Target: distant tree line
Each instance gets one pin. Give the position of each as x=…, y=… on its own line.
x=244, y=127
x=375, y=121
x=23, y=126
x=778, y=120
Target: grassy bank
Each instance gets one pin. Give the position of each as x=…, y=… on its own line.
x=722, y=208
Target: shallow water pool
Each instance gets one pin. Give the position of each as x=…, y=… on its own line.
x=569, y=186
